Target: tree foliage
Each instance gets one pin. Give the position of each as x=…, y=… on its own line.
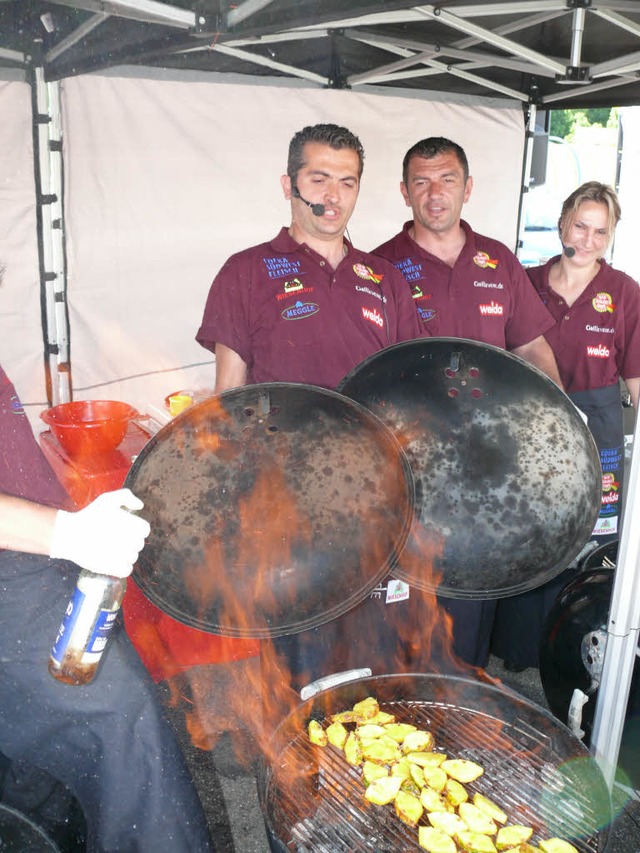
x=563, y=122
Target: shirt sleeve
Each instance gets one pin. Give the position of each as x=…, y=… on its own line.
x=226, y=319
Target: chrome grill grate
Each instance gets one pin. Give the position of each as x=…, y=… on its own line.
x=314, y=799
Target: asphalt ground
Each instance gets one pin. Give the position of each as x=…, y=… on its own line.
x=225, y=765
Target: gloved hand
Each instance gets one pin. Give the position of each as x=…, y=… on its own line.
x=104, y=537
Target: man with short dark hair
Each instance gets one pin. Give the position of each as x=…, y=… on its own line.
x=464, y=285
x=308, y=307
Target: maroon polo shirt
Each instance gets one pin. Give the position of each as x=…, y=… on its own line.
x=484, y=297
x=597, y=339
x=24, y=471
x=292, y=318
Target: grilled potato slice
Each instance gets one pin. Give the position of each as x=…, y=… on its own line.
x=477, y=820
x=382, y=718
x=408, y=807
x=399, y=731
x=462, y=770
x=345, y=717
x=490, y=808
x=353, y=750
x=475, y=842
x=523, y=848
x=317, y=734
x=380, y=752
x=433, y=802
x=402, y=768
x=337, y=735
x=448, y=822
x=426, y=759
x=418, y=741
x=435, y=777
x=556, y=845
x=417, y=774
x=511, y=836
x=435, y=840
x=455, y=793
x=384, y=790
x=367, y=709
x=371, y=772
x=370, y=730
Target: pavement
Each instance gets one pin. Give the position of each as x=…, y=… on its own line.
x=226, y=763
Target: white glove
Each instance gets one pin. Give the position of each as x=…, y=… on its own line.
x=104, y=537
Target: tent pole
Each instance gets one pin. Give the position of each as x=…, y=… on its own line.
x=47, y=137
x=530, y=124
x=622, y=631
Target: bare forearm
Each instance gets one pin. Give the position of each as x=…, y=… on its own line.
x=231, y=371
x=540, y=355
x=25, y=526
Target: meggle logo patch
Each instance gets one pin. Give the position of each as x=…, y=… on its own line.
x=299, y=311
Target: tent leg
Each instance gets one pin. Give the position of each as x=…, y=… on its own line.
x=623, y=629
x=48, y=167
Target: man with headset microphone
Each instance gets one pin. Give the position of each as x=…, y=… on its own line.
x=307, y=307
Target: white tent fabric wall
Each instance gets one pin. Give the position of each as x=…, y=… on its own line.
x=166, y=174
x=21, y=352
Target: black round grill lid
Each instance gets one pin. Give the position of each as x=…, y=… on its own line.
x=273, y=508
x=507, y=474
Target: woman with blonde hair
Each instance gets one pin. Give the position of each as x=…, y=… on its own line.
x=596, y=342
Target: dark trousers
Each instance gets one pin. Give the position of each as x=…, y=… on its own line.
x=107, y=741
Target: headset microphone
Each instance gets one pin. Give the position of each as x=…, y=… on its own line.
x=316, y=209
x=568, y=250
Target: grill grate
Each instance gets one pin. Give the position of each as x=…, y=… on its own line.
x=315, y=801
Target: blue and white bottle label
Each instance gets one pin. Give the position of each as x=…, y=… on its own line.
x=90, y=647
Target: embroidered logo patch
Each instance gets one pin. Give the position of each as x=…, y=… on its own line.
x=410, y=269
x=416, y=292
x=373, y=316
x=601, y=351
x=483, y=260
x=492, y=310
x=281, y=267
x=603, y=303
x=426, y=314
x=365, y=272
x=606, y=526
x=292, y=285
x=300, y=310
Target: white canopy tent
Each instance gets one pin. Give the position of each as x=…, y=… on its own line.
x=167, y=174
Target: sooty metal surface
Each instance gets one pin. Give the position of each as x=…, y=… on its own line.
x=507, y=475
x=273, y=508
x=535, y=769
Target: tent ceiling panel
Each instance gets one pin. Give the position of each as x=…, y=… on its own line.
x=554, y=53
